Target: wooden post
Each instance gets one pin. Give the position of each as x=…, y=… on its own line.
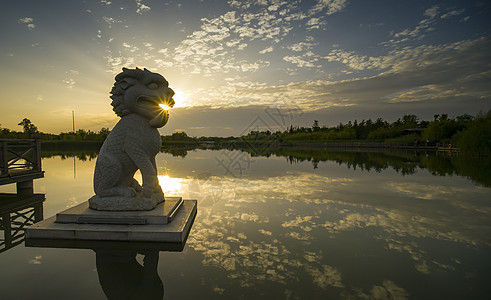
x=25, y=188
x=38, y=153
x=38, y=212
x=7, y=229
x=4, y=160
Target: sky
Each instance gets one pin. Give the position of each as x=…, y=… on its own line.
x=238, y=66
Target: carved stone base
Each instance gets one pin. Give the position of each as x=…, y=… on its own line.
x=121, y=203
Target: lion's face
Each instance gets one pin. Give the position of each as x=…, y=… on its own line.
x=142, y=92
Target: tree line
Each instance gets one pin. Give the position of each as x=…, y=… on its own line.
x=471, y=134
x=29, y=129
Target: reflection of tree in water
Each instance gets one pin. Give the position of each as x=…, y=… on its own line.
x=122, y=277
x=81, y=155
x=406, y=163
x=176, y=151
x=365, y=161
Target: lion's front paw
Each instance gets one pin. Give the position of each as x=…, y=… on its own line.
x=136, y=186
x=148, y=191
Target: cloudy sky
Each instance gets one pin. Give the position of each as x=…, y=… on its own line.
x=242, y=65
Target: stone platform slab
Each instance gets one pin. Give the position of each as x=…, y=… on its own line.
x=82, y=214
x=173, y=232
x=106, y=245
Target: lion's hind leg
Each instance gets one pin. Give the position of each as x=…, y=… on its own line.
x=107, y=178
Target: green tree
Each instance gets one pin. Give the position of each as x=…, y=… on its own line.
x=28, y=127
x=440, y=130
x=476, y=138
x=410, y=120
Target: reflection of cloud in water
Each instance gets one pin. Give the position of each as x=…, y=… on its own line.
x=423, y=191
x=251, y=258
x=435, y=192
x=325, y=276
x=36, y=260
x=388, y=290
x=258, y=229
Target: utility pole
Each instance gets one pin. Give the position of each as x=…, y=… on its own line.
x=73, y=121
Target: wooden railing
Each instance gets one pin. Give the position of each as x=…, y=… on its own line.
x=19, y=156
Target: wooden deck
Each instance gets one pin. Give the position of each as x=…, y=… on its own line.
x=20, y=161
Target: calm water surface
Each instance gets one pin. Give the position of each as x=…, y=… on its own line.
x=280, y=227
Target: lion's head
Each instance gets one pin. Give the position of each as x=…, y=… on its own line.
x=141, y=91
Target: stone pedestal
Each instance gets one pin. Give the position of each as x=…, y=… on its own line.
x=170, y=222
x=82, y=214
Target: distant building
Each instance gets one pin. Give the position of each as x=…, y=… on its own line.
x=409, y=131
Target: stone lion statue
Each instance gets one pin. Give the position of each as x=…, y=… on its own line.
x=132, y=143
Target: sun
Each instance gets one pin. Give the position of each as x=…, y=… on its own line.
x=164, y=106
x=181, y=98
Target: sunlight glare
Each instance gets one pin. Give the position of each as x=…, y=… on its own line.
x=181, y=98
x=164, y=106
x=170, y=186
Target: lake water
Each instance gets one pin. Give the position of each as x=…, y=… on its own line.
x=284, y=225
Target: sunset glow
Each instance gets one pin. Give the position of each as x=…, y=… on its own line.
x=230, y=62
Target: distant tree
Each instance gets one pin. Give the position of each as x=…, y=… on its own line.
x=443, y=129
x=464, y=118
x=476, y=138
x=410, y=120
x=104, y=132
x=82, y=133
x=315, y=126
x=28, y=127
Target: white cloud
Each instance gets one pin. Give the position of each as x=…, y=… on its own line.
x=163, y=63
x=301, y=62
x=69, y=82
x=130, y=48
x=455, y=71
x=330, y=6
x=212, y=48
x=452, y=13
x=115, y=63
x=28, y=21
x=356, y=62
x=108, y=20
x=432, y=12
x=416, y=33
x=266, y=50
x=301, y=46
x=247, y=67
x=141, y=8
x=315, y=23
